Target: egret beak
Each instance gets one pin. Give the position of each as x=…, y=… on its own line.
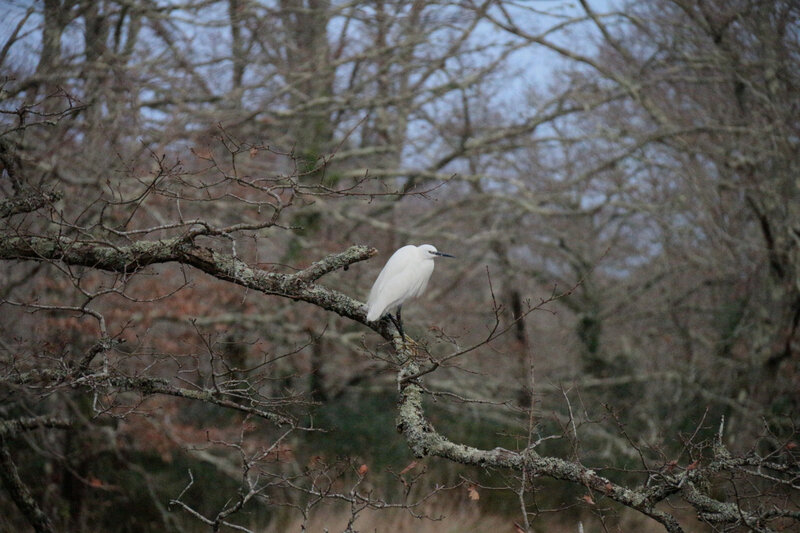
x=442, y=254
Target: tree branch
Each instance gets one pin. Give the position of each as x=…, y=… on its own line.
x=147, y=386
x=424, y=440
x=20, y=493
x=12, y=427
x=26, y=204
x=131, y=258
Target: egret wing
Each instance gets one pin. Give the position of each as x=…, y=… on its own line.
x=387, y=289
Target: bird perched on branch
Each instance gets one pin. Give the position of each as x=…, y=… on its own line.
x=404, y=276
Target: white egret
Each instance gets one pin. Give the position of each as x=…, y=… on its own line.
x=404, y=276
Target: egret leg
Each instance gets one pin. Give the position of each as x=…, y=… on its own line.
x=398, y=323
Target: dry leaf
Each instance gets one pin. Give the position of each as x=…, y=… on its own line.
x=100, y=484
x=253, y=152
x=408, y=468
x=588, y=499
x=518, y=528
x=203, y=152
x=693, y=465
x=472, y=492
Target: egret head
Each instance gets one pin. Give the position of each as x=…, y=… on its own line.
x=430, y=250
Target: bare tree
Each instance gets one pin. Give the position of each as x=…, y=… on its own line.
x=620, y=327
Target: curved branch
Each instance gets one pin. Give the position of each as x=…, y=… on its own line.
x=425, y=440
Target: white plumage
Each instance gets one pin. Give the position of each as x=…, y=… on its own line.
x=404, y=276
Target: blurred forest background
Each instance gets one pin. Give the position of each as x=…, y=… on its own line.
x=620, y=184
